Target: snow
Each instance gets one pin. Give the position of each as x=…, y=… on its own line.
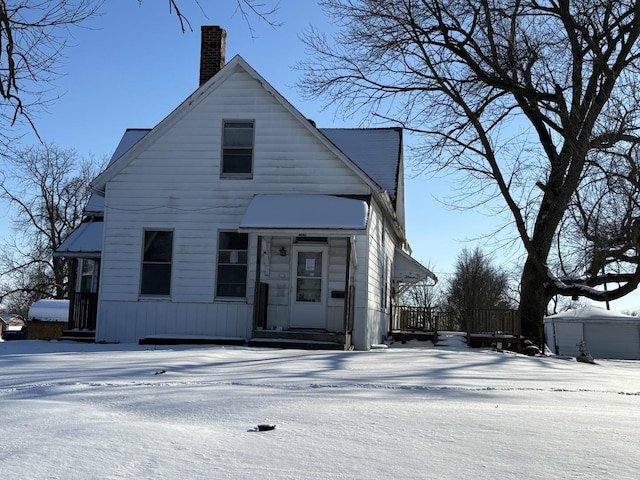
x=591, y=313
x=111, y=411
x=86, y=238
x=50, y=310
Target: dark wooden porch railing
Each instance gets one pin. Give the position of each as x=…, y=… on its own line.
x=506, y=322
x=83, y=311
x=433, y=319
x=412, y=319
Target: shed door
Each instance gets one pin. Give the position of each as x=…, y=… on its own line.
x=611, y=340
x=568, y=335
x=309, y=289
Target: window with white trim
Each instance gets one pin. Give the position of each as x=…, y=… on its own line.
x=232, y=265
x=237, y=149
x=156, y=263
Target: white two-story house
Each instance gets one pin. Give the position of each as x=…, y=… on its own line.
x=236, y=219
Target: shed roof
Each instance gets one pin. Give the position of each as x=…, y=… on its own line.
x=50, y=310
x=590, y=313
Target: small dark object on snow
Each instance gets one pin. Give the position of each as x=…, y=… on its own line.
x=263, y=427
x=585, y=356
x=531, y=349
x=160, y=372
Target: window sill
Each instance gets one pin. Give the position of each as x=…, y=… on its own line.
x=230, y=300
x=227, y=176
x=154, y=298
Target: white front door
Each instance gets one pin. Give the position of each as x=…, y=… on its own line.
x=309, y=289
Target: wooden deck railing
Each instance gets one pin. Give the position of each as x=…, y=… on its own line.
x=412, y=319
x=83, y=311
x=433, y=319
x=503, y=321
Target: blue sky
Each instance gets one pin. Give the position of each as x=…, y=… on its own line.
x=131, y=66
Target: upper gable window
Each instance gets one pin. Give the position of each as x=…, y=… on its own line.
x=237, y=149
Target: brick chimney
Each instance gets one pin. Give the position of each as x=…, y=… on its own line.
x=212, y=51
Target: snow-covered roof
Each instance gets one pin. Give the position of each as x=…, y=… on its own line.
x=301, y=212
x=50, y=310
x=84, y=241
x=590, y=313
x=11, y=319
x=377, y=151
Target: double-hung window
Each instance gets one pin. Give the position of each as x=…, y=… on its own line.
x=156, y=263
x=237, y=149
x=232, y=265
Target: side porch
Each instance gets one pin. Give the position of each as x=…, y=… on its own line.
x=495, y=328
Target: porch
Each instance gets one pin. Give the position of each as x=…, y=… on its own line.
x=267, y=334
x=414, y=323
x=485, y=328
x=495, y=328
x=83, y=311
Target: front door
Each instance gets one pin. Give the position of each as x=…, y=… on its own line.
x=308, y=292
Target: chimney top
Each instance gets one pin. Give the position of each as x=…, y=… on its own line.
x=212, y=51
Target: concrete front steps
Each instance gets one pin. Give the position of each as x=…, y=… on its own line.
x=80, y=336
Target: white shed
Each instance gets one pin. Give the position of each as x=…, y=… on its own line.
x=606, y=334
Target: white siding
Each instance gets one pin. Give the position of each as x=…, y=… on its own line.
x=568, y=335
x=613, y=340
x=375, y=264
x=603, y=339
x=174, y=183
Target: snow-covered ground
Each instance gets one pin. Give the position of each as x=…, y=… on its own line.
x=73, y=411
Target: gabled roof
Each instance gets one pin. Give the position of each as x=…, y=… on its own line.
x=237, y=62
x=377, y=151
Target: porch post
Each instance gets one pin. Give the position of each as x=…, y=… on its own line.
x=256, y=290
x=348, y=297
x=72, y=293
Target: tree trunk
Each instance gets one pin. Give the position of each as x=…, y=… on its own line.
x=533, y=303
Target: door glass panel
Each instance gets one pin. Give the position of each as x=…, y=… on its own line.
x=309, y=277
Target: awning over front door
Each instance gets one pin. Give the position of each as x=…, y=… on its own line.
x=406, y=269
x=296, y=213
x=85, y=241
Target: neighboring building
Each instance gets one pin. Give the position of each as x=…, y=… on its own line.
x=12, y=327
x=48, y=319
x=605, y=334
x=236, y=219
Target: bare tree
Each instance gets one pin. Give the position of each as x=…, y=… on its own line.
x=48, y=192
x=523, y=96
x=476, y=284
x=33, y=36
x=248, y=9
